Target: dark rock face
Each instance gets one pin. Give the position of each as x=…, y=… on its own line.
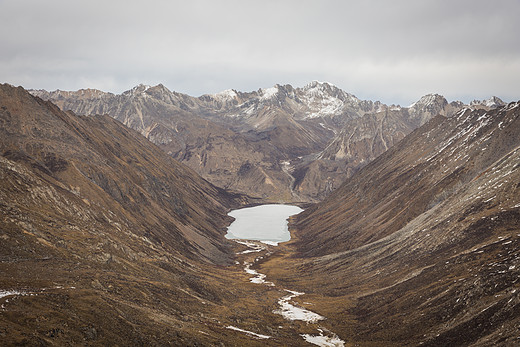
x=422, y=244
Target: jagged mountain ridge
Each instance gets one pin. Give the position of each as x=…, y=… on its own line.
x=266, y=143
x=421, y=246
x=172, y=121
x=362, y=139
x=315, y=100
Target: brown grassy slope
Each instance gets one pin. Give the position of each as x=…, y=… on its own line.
x=423, y=244
x=98, y=158
x=413, y=176
x=106, y=239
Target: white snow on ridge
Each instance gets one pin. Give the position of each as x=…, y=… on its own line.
x=138, y=90
x=326, y=107
x=228, y=94
x=324, y=99
x=490, y=102
x=269, y=93
x=322, y=104
x=317, y=84
x=425, y=100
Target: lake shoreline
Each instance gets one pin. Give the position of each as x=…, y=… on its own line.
x=266, y=223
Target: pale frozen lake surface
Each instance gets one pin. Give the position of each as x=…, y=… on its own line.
x=266, y=223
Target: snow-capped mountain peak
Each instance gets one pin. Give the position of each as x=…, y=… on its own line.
x=225, y=95
x=491, y=102
x=138, y=89
x=269, y=93
x=428, y=100
x=318, y=84
x=325, y=99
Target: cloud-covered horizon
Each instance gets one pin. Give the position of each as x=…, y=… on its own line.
x=393, y=51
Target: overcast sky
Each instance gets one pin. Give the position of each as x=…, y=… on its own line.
x=393, y=51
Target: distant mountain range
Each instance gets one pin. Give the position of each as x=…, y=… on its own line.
x=277, y=144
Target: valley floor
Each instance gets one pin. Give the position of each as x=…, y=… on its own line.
x=288, y=308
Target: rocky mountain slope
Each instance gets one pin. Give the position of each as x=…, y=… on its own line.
x=422, y=245
x=363, y=139
x=173, y=122
x=105, y=239
x=279, y=144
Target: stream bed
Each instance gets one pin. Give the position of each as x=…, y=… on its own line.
x=268, y=224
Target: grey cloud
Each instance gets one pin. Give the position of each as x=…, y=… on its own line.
x=389, y=50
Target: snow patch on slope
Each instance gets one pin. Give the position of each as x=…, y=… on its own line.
x=260, y=336
x=4, y=293
x=323, y=340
